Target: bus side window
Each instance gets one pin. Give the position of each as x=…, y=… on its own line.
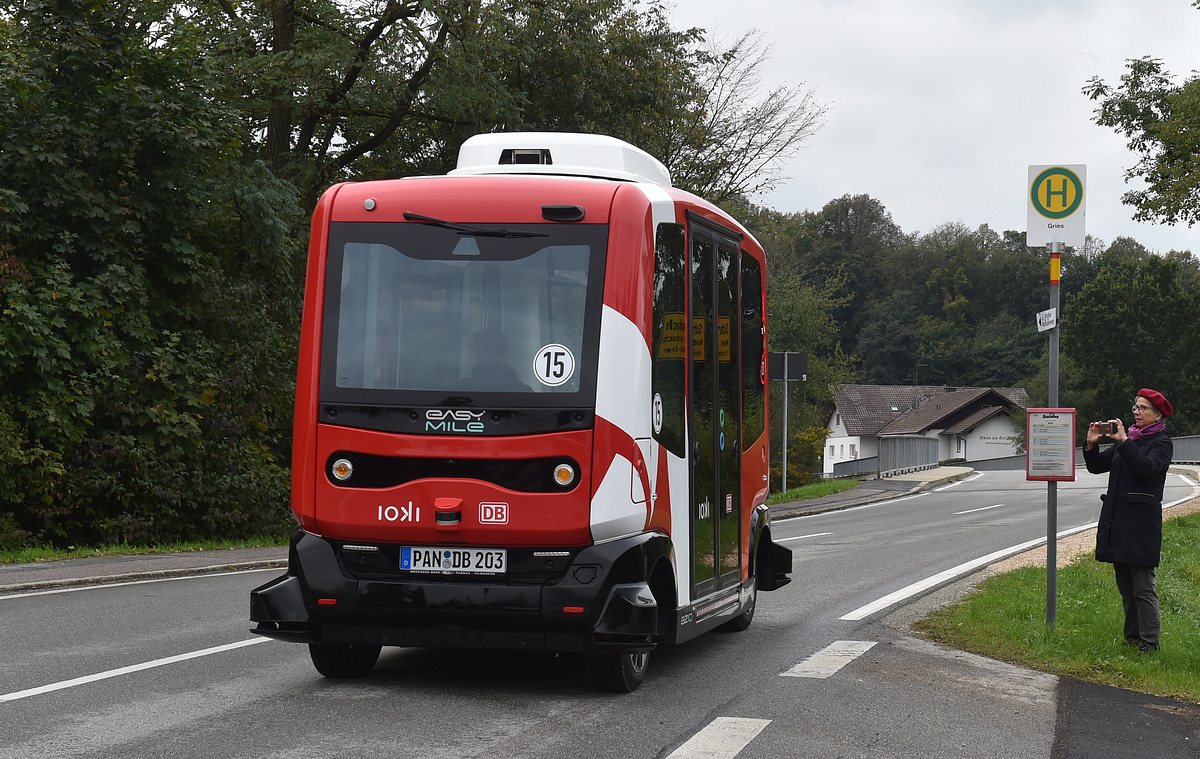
x=669, y=358
x=752, y=351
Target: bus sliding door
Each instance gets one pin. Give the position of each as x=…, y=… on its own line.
x=714, y=411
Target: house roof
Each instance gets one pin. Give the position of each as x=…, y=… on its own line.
x=913, y=409
x=971, y=421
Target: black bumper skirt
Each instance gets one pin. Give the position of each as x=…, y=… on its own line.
x=602, y=603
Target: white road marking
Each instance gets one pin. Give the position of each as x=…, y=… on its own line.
x=830, y=659
x=956, y=484
x=723, y=738
x=965, y=568
x=101, y=584
x=17, y=695
x=802, y=537
x=1188, y=481
x=972, y=511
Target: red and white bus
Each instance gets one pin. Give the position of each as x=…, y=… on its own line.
x=531, y=414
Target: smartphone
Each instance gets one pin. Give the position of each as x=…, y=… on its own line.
x=1106, y=428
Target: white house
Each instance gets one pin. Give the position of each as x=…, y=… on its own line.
x=971, y=423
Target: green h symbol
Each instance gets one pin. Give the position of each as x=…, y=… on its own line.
x=1061, y=192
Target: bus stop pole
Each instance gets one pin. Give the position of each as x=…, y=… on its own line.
x=1056, y=249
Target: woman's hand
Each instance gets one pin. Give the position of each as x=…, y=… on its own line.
x=1093, y=435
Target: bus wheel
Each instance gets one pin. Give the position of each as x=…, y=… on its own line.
x=618, y=673
x=340, y=660
x=743, y=620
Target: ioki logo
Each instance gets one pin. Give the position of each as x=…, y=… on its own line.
x=453, y=420
x=493, y=513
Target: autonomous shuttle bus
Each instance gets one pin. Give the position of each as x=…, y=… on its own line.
x=530, y=414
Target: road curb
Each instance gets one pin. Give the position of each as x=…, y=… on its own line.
x=158, y=574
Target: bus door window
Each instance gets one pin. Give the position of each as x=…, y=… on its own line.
x=727, y=427
x=702, y=402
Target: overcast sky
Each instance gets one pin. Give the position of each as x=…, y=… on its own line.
x=937, y=107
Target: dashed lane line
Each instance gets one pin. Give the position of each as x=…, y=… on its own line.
x=723, y=738
x=830, y=659
x=972, y=511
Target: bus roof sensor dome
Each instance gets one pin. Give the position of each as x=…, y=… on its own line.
x=572, y=154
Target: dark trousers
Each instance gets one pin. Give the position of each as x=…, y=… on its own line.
x=1139, y=596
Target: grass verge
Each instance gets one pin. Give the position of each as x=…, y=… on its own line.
x=33, y=554
x=1005, y=618
x=813, y=490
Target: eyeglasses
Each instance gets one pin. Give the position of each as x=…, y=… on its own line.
x=1140, y=409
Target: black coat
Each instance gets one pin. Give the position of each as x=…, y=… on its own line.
x=1130, y=528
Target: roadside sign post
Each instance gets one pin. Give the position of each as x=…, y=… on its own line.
x=1056, y=213
x=787, y=367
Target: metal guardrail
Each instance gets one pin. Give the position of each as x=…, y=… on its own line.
x=906, y=453
x=856, y=467
x=1187, y=449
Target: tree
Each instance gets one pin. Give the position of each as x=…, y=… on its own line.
x=730, y=143
x=321, y=85
x=854, y=234
x=330, y=90
x=1122, y=332
x=148, y=288
x=1158, y=118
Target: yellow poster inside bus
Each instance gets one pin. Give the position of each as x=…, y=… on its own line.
x=724, y=339
x=672, y=340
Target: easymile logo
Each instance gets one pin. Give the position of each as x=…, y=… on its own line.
x=458, y=421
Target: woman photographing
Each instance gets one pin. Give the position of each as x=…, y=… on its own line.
x=1129, y=534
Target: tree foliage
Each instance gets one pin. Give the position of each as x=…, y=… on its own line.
x=146, y=274
x=1159, y=120
x=1122, y=332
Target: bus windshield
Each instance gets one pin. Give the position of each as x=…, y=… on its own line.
x=415, y=308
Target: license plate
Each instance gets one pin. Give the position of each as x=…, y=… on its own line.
x=444, y=560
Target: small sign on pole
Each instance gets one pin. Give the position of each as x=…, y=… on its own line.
x=1047, y=319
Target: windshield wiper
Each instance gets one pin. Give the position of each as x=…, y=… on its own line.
x=464, y=229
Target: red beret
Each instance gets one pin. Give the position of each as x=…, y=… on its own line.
x=1158, y=400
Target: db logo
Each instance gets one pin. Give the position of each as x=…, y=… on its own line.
x=493, y=513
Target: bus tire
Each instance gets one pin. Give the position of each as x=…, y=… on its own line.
x=618, y=673
x=343, y=660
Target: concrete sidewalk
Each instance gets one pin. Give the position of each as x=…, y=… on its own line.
x=42, y=575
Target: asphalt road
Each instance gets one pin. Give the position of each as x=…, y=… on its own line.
x=775, y=690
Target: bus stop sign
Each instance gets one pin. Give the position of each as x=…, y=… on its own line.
x=1056, y=205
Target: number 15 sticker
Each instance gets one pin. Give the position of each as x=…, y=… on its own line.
x=553, y=365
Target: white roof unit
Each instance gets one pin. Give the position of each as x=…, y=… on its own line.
x=573, y=154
